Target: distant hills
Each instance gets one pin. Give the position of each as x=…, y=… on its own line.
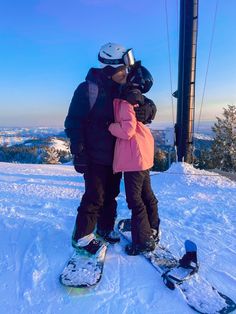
x=34, y=145
x=41, y=139
x=14, y=136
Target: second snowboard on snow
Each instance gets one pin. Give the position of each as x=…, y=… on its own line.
x=197, y=292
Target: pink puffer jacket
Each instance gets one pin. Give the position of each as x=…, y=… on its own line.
x=134, y=149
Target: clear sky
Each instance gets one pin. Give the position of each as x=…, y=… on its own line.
x=47, y=47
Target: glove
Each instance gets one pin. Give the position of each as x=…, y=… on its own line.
x=132, y=95
x=135, y=97
x=80, y=162
x=141, y=114
x=79, y=156
x=152, y=109
x=146, y=113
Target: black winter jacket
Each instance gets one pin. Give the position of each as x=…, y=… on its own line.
x=90, y=127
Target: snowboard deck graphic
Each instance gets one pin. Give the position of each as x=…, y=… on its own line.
x=196, y=291
x=83, y=270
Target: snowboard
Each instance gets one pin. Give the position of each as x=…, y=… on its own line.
x=196, y=291
x=83, y=270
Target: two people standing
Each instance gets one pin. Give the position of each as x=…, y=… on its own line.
x=90, y=125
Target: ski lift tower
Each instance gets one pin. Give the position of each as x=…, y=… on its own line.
x=185, y=94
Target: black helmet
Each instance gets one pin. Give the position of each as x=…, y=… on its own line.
x=140, y=77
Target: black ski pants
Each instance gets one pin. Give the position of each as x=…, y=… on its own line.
x=98, y=204
x=143, y=203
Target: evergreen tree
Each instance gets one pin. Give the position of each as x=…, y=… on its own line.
x=224, y=145
x=203, y=159
x=160, y=161
x=50, y=156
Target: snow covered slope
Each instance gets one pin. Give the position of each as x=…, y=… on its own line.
x=38, y=206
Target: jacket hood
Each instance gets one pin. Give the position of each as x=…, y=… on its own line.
x=96, y=76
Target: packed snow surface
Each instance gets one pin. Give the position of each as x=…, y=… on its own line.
x=38, y=206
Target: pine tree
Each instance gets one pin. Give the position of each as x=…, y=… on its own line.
x=160, y=161
x=50, y=156
x=224, y=145
x=203, y=159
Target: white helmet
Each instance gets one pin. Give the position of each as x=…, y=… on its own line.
x=115, y=55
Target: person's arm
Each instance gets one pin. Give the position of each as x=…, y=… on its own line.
x=76, y=118
x=75, y=126
x=127, y=127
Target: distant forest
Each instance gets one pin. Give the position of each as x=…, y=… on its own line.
x=35, y=152
x=216, y=153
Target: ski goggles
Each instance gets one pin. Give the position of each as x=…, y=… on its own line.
x=127, y=59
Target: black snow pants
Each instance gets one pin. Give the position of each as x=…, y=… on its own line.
x=98, y=204
x=143, y=203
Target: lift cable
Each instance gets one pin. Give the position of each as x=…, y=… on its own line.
x=208, y=63
x=169, y=59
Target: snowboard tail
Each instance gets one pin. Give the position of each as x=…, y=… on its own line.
x=183, y=276
x=83, y=270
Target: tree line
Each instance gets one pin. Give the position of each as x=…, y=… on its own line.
x=221, y=154
x=33, y=155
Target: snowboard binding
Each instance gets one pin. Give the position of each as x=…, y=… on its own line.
x=189, y=260
x=187, y=267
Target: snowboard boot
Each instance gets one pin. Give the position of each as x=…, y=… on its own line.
x=111, y=237
x=88, y=244
x=136, y=249
x=156, y=235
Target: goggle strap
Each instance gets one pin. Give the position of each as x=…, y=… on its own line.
x=112, y=61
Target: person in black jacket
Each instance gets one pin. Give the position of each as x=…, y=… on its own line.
x=92, y=145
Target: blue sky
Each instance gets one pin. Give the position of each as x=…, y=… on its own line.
x=47, y=47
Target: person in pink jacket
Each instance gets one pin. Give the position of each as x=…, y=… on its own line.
x=134, y=154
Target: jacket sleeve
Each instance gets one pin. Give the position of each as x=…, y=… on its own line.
x=126, y=128
x=77, y=115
